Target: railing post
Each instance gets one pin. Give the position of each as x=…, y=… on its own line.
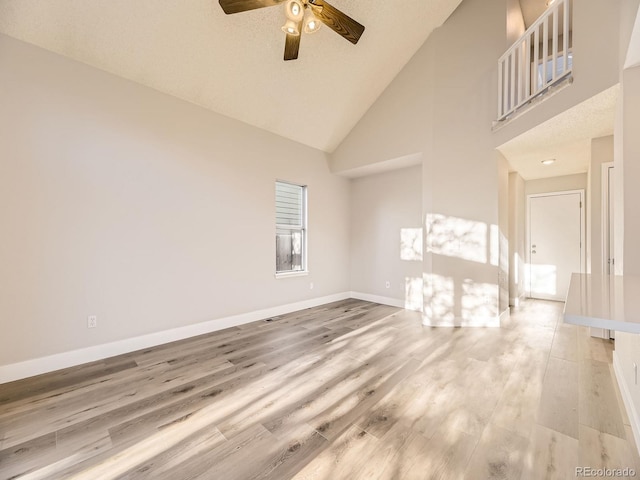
x=500, y=88
x=527, y=57
x=512, y=81
x=565, y=40
x=554, y=56
x=545, y=50
x=536, y=56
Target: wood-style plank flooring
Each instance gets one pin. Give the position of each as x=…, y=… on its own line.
x=350, y=390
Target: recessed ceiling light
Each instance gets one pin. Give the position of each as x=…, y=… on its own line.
x=549, y=162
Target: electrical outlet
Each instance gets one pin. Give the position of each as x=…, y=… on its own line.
x=311, y=286
x=92, y=321
x=387, y=284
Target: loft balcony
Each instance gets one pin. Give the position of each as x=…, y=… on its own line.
x=537, y=62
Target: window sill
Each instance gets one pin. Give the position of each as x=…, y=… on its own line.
x=301, y=273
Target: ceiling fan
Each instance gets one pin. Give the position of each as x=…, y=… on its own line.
x=302, y=15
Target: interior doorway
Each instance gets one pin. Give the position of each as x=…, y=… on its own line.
x=556, y=242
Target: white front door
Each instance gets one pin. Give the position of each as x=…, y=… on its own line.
x=555, y=243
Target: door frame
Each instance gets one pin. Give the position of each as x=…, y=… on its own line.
x=583, y=233
x=607, y=230
x=607, y=227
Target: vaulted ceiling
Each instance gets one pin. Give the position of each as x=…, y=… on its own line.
x=232, y=64
x=532, y=10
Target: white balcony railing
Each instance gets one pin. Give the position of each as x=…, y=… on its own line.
x=539, y=59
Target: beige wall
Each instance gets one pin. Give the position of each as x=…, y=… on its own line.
x=503, y=226
x=515, y=22
x=442, y=105
x=627, y=348
x=629, y=13
x=629, y=55
x=149, y=212
x=517, y=242
x=463, y=283
x=631, y=169
x=386, y=236
x=601, y=152
x=556, y=184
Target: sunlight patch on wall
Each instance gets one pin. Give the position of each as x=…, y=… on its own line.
x=543, y=279
x=494, y=245
x=479, y=304
x=439, y=299
x=413, y=296
x=411, y=244
x=457, y=237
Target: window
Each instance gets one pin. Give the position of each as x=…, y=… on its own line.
x=291, y=228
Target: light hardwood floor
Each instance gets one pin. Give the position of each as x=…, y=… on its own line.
x=349, y=390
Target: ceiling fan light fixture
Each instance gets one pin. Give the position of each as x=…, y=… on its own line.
x=294, y=10
x=311, y=23
x=290, y=27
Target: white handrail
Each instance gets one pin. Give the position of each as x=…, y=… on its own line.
x=540, y=58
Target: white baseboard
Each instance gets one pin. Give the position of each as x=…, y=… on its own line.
x=634, y=417
x=516, y=301
x=392, y=302
x=37, y=366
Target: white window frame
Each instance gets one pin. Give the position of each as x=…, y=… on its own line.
x=302, y=228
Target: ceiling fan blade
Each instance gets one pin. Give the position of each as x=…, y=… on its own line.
x=292, y=44
x=237, y=6
x=337, y=21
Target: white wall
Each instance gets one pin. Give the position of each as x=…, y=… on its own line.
x=517, y=241
x=386, y=236
x=147, y=211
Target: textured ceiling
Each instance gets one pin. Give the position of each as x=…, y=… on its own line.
x=232, y=64
x=566, y=137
